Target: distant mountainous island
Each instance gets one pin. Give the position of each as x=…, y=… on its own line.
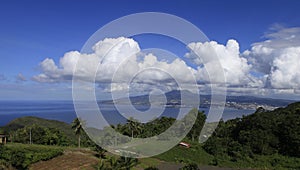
x=173, y=99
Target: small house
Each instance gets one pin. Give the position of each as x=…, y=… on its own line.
x=3, y=139
x=184, y=144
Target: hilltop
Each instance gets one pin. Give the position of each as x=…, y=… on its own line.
x=27, y=121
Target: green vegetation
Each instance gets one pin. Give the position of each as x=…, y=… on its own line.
x=5, y=165
x=145, y=163
x=21, y=156
x=43, y=131
x=122, y=163
x=190, y=166
x=195, y=154
x=40, y=135
x=265, y=139
x=77, y=127
x=133, y=128
x=29, y=120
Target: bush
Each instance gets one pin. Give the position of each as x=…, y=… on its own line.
x=41, y=135
x=190, y=166
x=4, y=165
x=21, y=156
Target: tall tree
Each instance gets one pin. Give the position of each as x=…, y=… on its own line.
x=134, y=126
x=77, y=126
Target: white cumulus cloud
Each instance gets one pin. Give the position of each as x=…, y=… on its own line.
x=235, y=67
x=285, y=71
x=115, y=60
x=277, y=58
x=107, y=55
x=117, y=64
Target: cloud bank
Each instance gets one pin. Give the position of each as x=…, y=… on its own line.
x=271, y=64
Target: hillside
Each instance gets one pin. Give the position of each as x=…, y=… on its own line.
x=262, y=139
x=30, y=120
x=174, y=99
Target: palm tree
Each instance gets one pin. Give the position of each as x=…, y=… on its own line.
x=77, y=126
x=134, y=126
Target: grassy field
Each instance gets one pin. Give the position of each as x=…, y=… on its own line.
x=187, y=155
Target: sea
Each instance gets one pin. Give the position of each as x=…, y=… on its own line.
x=64, y=111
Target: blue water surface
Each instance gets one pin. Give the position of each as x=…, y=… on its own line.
x=64, y=111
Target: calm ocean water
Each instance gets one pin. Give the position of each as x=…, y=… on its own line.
x=64, y=111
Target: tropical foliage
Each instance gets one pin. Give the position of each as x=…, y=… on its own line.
x=41, y=135
x=275, y=134
x=265, y=139
x=134, y=128
x=21, y=156
x=122, y=163
x=78, y=129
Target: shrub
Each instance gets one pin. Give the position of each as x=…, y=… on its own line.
x=21, y=156
x=190, y=166
x=4, y=165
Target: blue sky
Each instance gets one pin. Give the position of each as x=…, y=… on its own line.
x=31, y=31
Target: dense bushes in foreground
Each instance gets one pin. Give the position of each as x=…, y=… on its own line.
x=4, y=165
x=21, y=156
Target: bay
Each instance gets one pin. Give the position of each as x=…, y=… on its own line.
x=64, y=111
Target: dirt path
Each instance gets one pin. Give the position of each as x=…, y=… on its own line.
x=70, y=160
